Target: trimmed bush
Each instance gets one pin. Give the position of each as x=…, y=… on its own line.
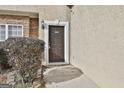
x=24, y=55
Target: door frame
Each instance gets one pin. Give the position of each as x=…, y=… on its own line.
x=66, y=41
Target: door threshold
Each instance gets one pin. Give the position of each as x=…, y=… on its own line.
x=54, y=65
x=51, y=66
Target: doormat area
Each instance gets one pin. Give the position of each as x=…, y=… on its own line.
x=61, y=74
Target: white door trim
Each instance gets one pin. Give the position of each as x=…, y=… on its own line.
x=66, y=41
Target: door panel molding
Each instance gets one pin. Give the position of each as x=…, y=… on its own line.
x=66, y=41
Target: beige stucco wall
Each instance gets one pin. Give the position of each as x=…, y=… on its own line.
x=97, y=43
x=44, y=12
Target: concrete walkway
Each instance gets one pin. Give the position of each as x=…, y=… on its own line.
x=67, y=77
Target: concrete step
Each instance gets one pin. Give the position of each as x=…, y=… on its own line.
x=67, y=77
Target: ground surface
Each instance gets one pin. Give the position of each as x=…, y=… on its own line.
x=67, y=77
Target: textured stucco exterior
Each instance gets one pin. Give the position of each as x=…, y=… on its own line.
x=97, y=43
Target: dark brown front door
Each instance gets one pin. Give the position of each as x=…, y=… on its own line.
x=56, y=44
